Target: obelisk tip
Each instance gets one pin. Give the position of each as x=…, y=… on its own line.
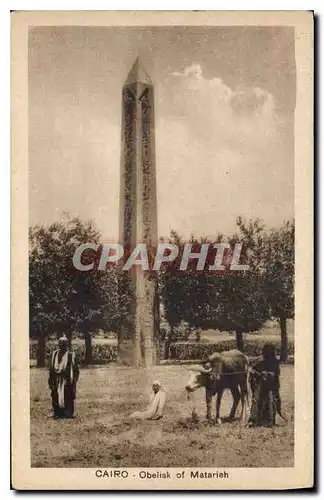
x=138, y=74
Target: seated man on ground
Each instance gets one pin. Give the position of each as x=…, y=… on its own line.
x=157, y=404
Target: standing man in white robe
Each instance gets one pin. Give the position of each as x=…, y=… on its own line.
x=63, y=376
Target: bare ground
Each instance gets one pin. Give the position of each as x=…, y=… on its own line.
x=102, y=435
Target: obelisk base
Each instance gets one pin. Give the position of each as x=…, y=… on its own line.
x=138, y=342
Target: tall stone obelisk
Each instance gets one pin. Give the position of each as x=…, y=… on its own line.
x=139, y=333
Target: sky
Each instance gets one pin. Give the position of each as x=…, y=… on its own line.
x=224, y=116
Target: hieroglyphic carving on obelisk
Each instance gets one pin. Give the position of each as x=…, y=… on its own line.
x=139, y=332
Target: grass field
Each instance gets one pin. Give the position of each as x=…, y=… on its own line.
x=102, y=435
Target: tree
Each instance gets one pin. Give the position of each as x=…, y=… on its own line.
x=187, y=295
x=240, y=304
x=50, y=287
x=63, y=299
x=172, y=292
x=249, y=309
x=238, y=299
x=227, y=300
x=279, y=263
x=271, y=259
x=173, y=305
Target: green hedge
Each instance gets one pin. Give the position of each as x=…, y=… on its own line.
x=107, y=353
x=253, y=347
x=101, y=353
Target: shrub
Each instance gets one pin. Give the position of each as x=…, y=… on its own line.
x=107, y=353
x=253, y=347
x=101, y=353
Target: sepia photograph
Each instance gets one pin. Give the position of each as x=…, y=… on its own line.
x=162, y=299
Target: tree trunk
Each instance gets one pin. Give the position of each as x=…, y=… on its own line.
x=284, y=339
x=172, y=352
x=169, y=338
x=40, y=351
x=88, y=349
x=240, y=341
x=167, y=343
